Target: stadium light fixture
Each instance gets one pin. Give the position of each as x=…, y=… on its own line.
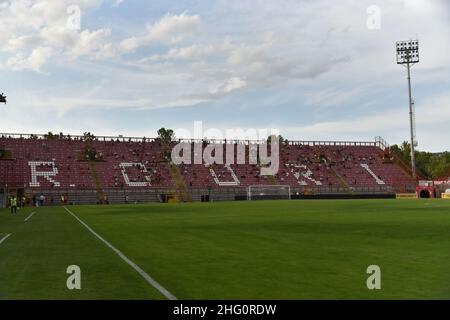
x=408, y=55
x=408, y=52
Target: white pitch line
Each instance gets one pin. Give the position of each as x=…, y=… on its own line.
x=28, y=218
x=144, y=275
x=4, y=238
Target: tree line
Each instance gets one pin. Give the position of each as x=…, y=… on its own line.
x=432, y=165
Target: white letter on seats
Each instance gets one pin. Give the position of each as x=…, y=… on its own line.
x=142, y=168
x=307, y=174
x=46, y=174
x=235, y=181
x=377, y=179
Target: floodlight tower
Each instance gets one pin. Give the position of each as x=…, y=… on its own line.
x=408, y=54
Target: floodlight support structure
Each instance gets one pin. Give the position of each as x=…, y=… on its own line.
x=411, y=124
x=408, y=54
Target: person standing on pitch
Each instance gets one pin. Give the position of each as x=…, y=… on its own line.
x=41, y=200
x=13, y=202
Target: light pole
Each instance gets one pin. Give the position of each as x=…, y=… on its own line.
x=408, y=54
x=5, y=197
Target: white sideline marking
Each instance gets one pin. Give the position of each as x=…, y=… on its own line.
x=144, y=275
x=28, y=218
x=4, y=238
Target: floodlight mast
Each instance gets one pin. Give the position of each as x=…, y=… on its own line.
x=408, y=54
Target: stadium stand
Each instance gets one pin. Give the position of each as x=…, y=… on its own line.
x=139, y=170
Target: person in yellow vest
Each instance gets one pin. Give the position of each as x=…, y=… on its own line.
x=13, y=202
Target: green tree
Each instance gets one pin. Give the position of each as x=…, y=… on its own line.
x=432, y=165
x=166, y=136
x=49, y=136
x=279, y=137
x=87, y=136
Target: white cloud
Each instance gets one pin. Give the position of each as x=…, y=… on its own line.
x=327, y=97
x=90, y=43
x=34, y=61
x=169, y=29
x=17, y=43
x=260, y=63
x=196, y=51
x=232, y=84
x=392, y=124
x=117, y=3
x=32, y=31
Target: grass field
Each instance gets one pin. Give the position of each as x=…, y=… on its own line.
x=232, y=250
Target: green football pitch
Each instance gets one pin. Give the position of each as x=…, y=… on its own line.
x=229, y=250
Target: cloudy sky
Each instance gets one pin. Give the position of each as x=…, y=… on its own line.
x=321, y=69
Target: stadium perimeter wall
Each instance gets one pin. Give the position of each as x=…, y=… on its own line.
x=114, y=196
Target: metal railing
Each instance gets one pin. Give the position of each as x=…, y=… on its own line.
x=120, y=138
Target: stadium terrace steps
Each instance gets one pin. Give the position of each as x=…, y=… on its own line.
x=407, y=169
x=97, y=183
x=402, y=165
x=343, y=183
x=42, y=164
x=273, y=180
x=180, y=185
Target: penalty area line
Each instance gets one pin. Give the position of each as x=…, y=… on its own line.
x=139, y=270
x=4, y=238
x=29, y=217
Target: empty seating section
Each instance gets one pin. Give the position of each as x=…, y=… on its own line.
x=141, y=163
x=58, y=163
x=249, y=173
x=300, y=165
x=348, y=161
x=40, y=154
x=222, y=175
